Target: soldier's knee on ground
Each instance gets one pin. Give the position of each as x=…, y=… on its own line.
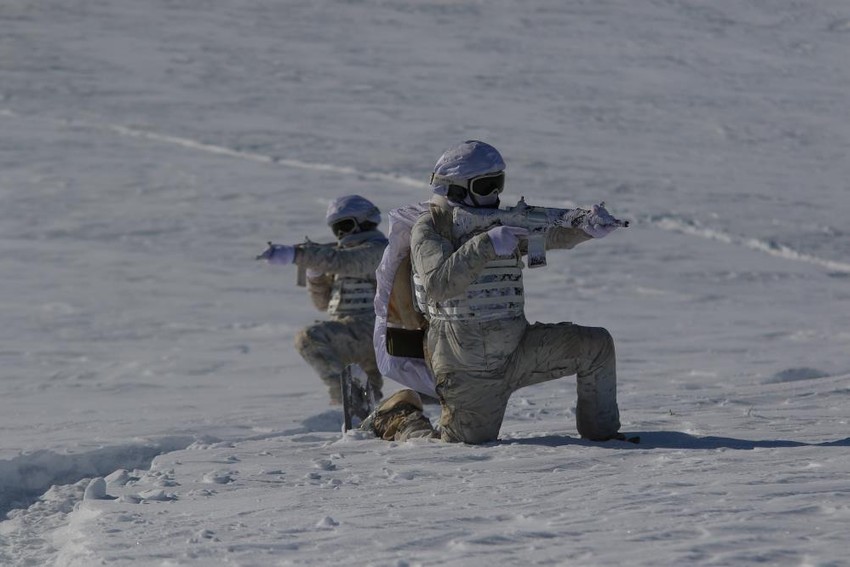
x=458, y=426
x=471, y=436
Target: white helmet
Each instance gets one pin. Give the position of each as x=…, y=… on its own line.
x=348, y=214
x=462, y=166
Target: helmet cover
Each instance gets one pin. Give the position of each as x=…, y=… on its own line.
x=465, y=161
x=352, y=207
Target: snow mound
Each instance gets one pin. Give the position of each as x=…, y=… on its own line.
x=796, y=375
x=28, y=476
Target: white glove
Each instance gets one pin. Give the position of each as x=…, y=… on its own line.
x=599, y=222
x=278, y=254
x=506, y=238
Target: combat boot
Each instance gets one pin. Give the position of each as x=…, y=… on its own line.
x=399, y=418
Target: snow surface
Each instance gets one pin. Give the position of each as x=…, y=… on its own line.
x=154, y=412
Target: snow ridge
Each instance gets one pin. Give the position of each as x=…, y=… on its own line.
x=28, y=476
x=253, y=156
x=669, y=223
x=692, y=228
x=230, y=152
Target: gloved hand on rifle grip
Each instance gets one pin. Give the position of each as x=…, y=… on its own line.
x=599, y=222
x=506, y=238
x=278, y=254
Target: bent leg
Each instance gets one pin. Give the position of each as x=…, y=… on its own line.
x=550, y=351
x=326, y=346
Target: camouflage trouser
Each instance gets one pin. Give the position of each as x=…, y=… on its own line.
x=473, y=405
x=329, y=346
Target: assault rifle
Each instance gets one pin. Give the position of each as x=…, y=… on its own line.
x=301, y=278
x=538, y=221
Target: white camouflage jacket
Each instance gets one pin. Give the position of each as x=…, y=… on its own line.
x=446, y=270
x=345, y=284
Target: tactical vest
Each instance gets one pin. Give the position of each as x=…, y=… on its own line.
x=351, y=296
x=497, y=292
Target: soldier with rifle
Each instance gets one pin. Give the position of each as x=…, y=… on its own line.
x=340, y=278
x=466, y=257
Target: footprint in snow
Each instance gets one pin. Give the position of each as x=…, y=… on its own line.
x=327, y=523
x=157, y=495
x=324, y=464
x=203, y=535
x=796, y=375
x=218, y=477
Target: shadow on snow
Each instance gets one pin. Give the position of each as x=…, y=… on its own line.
x=672, y=440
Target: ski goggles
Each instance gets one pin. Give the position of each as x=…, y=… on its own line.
x=344, y=227
x=481, y=185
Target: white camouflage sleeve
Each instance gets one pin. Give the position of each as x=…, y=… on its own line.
x=447, y=272
x=360, y=260
x=564, y=238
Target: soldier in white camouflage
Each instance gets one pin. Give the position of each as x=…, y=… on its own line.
x=340, y=279
x=479, y=345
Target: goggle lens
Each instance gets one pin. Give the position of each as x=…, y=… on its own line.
x=344, y=227
x=487, y=185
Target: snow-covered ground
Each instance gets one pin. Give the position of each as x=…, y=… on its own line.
x=148, y=150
